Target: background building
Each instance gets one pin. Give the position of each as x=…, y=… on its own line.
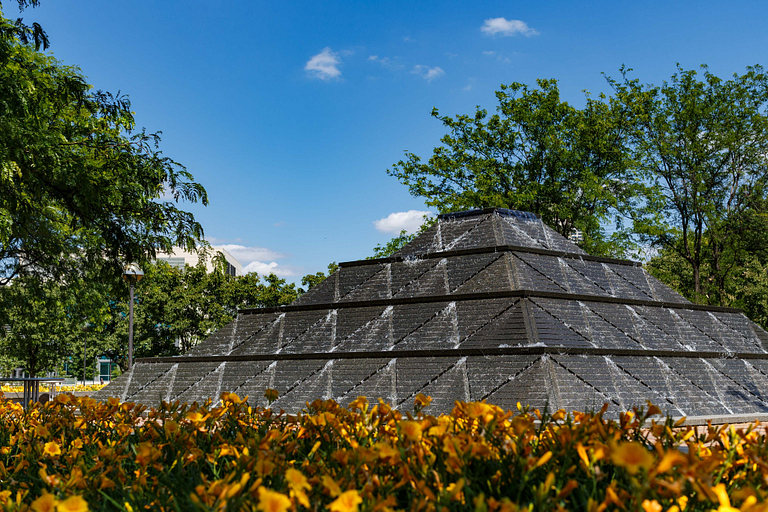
x=179, y=257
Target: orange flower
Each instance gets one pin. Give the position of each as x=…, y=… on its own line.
x=73, y=504
x=632, y=456
x=346, y=502
x=45, y=503
x=272, y=501
x=52, y=449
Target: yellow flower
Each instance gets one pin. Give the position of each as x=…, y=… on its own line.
x=725, y=501
x=582, y=454
x=52, y=449
x=385, y=450
x=296, y=480
x=272, y=501
x=411, y=430
x=63, y=398
x=669, y=460
x=331, y=485
x=45, y=503
x=171, y=427
x=271, y=394
x=230, y=397
x=298, y=484
x=480, y=411
x=544, y=459
x=346, y=502
x=632, y=456
x=651, y=506
x=73, y=504
x=195, y=417
x=455, y=490
x=422, y=401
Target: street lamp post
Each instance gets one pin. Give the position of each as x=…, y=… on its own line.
x=133, y=275
x=85, y=350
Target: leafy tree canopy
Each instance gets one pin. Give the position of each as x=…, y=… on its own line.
x=79, y=185
x=537, y=154
x=702, y=143
x=40, y=321
x=176, y=308
x=312, y=280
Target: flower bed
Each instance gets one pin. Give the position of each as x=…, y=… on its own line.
x=75, y=454
x=45, y=388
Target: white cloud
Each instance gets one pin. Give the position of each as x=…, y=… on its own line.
x=410, y=221
x=220, y=241
x=428, y=73
x=324, y=65
x=505, y=27
x=264, y=269
x=260, y=260
x=245, y=254
x=386, y=62
x=489, y=53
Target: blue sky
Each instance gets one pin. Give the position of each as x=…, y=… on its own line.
x=290, y=113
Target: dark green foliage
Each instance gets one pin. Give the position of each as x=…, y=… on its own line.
x=312, y=280
x=400, y=241
x=703, y=144
x=80, y=187
x=394, y=245
x=537, y=154
x=177, y=308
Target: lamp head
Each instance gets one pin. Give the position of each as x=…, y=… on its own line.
x=132, y=273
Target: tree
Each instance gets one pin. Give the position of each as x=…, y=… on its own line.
x=176, y=308
x=746, y=287
x=79, y=186
x=538, y=154
x=42, y=325
x=703, y=145
x=312, y=280
x=253, y=291
x=81, y=193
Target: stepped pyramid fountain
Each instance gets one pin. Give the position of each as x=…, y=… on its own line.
x=486, y=305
